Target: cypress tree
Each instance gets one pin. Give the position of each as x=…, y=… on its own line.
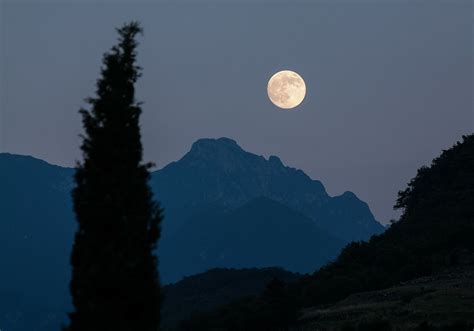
x=115, y=282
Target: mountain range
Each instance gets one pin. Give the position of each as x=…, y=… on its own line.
x=220, y=172
x=223, y=206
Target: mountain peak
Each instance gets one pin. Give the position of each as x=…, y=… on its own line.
x=223, y=143
x=275, y=160
x=223, y=153
x=349, y=195
x=219, y=172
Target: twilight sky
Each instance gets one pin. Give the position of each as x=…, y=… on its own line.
x=389, y=82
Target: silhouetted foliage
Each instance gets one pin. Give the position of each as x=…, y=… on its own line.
x=274, y=310
x=114, y=268
x=435, y=231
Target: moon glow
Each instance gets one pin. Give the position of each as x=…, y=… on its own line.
x=286, y=89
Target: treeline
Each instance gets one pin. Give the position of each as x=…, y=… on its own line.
x=206, y=291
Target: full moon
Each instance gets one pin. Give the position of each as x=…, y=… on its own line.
x=286, y=89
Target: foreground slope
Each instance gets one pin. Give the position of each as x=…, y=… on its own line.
x=442, y=301
x=435, y=231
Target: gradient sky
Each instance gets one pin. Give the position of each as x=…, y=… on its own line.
x=389, y=83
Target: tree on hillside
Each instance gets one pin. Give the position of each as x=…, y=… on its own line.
x=115, y=282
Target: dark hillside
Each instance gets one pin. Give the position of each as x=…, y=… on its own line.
x=442, y=301
x=435, y=231
x=206, y=291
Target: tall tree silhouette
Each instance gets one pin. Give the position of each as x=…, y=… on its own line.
x=115, y=282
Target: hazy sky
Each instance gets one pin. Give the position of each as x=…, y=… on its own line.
x=389, y=83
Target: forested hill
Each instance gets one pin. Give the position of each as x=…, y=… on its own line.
x=206, y=291
x=435, y=232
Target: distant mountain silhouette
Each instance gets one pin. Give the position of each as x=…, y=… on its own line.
x=36, y=232
x=252, y=212
x=219, y=172
x=216, y=180
x=260, y=233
